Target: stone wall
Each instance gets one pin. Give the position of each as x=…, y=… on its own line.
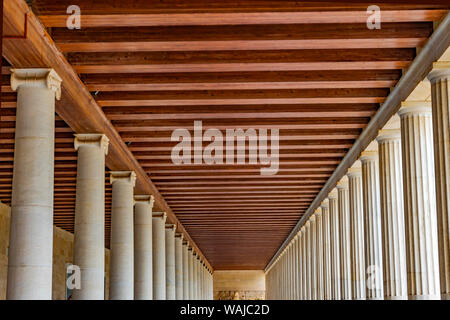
x=239, y=285
x=62, y=255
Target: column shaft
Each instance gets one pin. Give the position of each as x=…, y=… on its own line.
x=170, y=262
x=440, y=98
x=334, y=244
x=344, y=241
x=159, y=255
x=89, y=235
x=121, y=280
x=392, y=216
x=354, y=175
x=326, y=236
x=372, y=225
x=185, y=271
x=422, y=255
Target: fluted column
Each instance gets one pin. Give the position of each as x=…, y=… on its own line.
x=326, y=239
x=159, y=255
x=121, y=279
x=334, y=245
x=440, y=99
x=304, y=257
x=419, y=201
x=185, y=270
x=143, y=251
x=89, y=235
x=354, y=175
x=296, y=268
x=31, y=233
x=170, y=262
x=320, y=295
x=392, y=216
x=299, y=266
x=344, y=241
x=309, y=287
x=372, y=225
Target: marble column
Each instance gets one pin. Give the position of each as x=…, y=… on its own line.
x=440, y=99
x=334, y=245
x=309, y=295
x=320, y=295
x=143, y=251
x=170, y=262
x=89, y=235
x=31, y=233
x=326, y=239
x=296, y=268
x=344, y=240
x=392, y=215
x=372, y=225
x=191, y=273
x=357, y=249
x=422, y=255
x=304, y=263
x=299, y=266
x=159, y=255
x=185, y=270
x=195, y=275
x=121, y=279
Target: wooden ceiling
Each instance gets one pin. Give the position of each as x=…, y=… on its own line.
x=311, y=69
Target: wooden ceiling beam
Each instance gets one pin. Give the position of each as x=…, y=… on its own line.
x=241, y=18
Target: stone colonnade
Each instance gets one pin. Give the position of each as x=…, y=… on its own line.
x=386, y=232
x=149, y=259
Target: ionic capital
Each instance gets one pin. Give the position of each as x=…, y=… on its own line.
x=97, y=139
x=354, y=172
x=36, y=78
x=171, y=227
x=179, y=235
x=125, y=176
x=144, y=198
x=161, y=215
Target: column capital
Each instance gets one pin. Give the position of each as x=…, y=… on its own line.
x=333, y=194
x=126, y=176
x=37, y=78
x=325, y=203
x=414, y=108
x=179, y=235
x=386, y=135
x=441, y=70
x=367, y=156
x=98, y=139
x=343, y=183
x=144, y=198
x=161, y=215
x=171, y=226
